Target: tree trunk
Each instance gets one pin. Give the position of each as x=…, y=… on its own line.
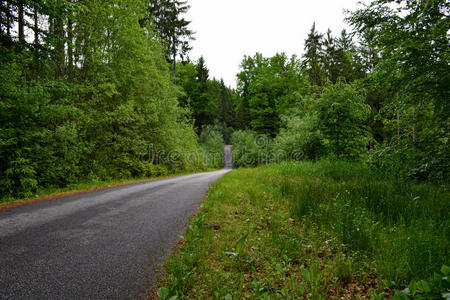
x=174, y=53
x=36, y=41
x=8, y=19
x=36, y=28
x=21, y=21
x=414, y=126
x=59, y=47
x=70, y=47
x=398, y=127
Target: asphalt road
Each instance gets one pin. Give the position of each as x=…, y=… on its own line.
x=99, y=245
x=227, y=157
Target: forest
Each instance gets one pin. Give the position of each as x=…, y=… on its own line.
x=88, y=87
x=355, y=130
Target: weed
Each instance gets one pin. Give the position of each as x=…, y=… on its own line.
x=320, y=230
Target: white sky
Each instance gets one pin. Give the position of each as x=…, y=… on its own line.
x=226, y=30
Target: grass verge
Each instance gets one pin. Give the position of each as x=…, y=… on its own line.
x=52, y=193
x=312, y=230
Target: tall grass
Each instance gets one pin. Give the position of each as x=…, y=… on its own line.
x=324, y=230
x=403, y=226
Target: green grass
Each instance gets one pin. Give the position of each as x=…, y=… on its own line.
x=310, y=230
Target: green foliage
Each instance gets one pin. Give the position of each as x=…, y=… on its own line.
x=245, y=150
x=330, y=60
x=331, y=123
x=268, y=87
x=344, y=270
x=300, y=137
x=329, y=229
x=250, y=149
x=109, y=110
x=313, y=61
x=210, y=102
x=387, y=93
x=341, y=112
x=411, y=71
x=437, y=287
x=163, y=293
x=212, y=143
x=166, y=16
x=404, y=226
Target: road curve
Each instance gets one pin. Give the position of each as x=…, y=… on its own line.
x=99, y=245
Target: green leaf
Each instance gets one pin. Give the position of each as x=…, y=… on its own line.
x=400, y=296
x=307, y=274
x=279, y=268
x=163, y=293
x=423, y=286
x=445, y=270
x=389, y=283
x=412, y=287
x=240, y=243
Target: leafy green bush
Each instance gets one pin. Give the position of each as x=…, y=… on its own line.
x=341, y=114
x=251, y=150
x=331, y=123
x=301, y=138
x=245, y=150
x=212, y=143
x=400, y=157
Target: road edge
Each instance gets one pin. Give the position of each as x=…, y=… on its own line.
x=18, y=203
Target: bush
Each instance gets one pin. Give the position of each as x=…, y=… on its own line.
x=342, y=113
x=211, y=141
x=301, y=138
x=401, y=158
x=251, y=150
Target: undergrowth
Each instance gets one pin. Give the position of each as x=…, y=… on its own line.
x=312, y=230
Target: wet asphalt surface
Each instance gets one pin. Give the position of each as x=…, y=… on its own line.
x=100, y=245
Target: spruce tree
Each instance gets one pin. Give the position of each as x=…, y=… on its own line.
x=201, y=104
x=202, y=74
x=166, y=17
x=312, y=56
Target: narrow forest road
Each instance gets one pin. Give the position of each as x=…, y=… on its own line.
x=227, y=157
x=99, y=245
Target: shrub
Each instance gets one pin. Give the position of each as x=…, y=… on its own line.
x=251, y=150
x=211, y=141
x=301, y=138
x=341, y=113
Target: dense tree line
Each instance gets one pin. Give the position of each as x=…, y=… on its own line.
x=91, y=90
x=382, y=98
x=86, y=94
x=210, y=102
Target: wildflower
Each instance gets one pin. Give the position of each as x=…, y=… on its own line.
x=357, y=228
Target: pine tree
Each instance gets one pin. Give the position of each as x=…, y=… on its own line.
x=202, y=74
x=226, y=106
x=330, y=59
x=313, y=49
x=166, y=17
x=202, y=104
